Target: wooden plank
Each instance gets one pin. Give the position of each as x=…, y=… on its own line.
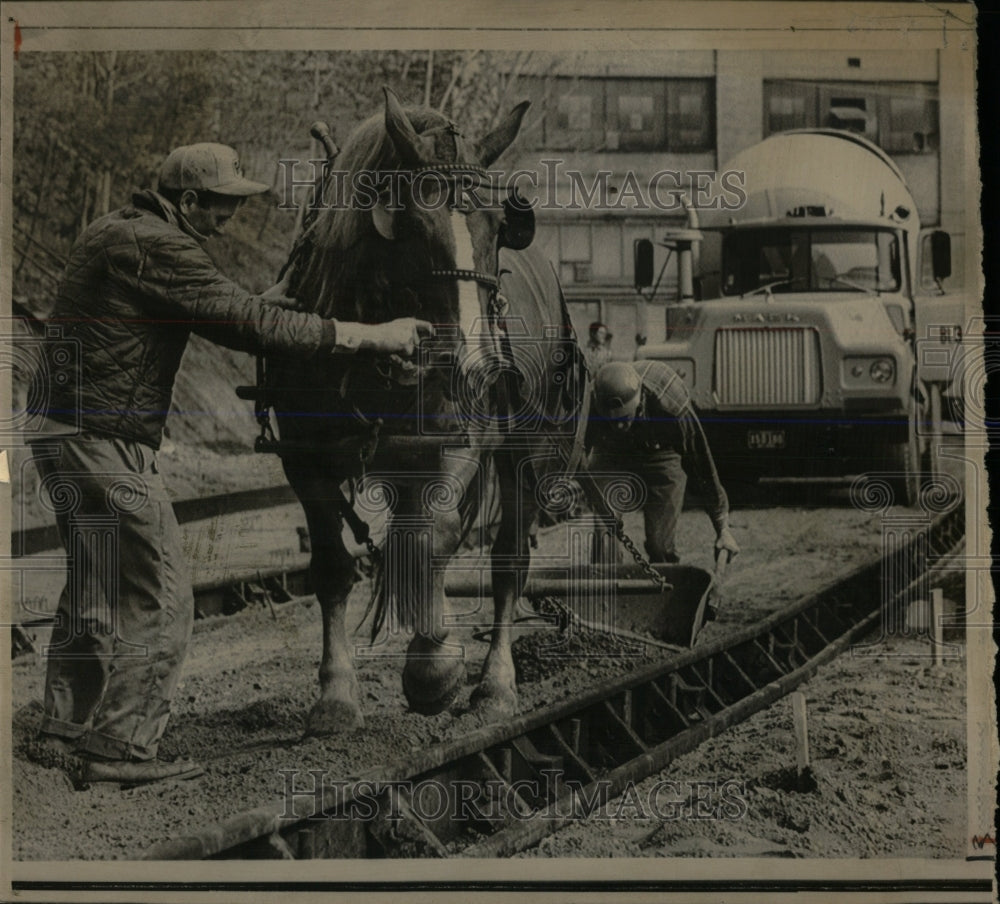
x=801, y=723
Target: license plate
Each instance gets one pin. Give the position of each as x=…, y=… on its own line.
x=766, y=439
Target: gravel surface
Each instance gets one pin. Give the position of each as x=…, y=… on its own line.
x=250, y=680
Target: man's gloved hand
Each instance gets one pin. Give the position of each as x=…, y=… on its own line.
x=279, y=290
x=278, y=295
x=399, y=337
x=725, y=542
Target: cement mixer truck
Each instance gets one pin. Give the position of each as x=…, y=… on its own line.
x=801, y=316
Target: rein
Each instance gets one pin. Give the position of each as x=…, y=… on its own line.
x=506, y=388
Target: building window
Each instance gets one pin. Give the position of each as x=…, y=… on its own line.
x=900, y=117
x=850, y=113
x=624, y=114
x=576, y=118
x=635, y=115
x=911, y=125
x=690, y=120
x=788, y=105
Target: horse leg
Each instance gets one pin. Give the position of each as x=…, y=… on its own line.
x=338, y=709
x=435, y=669
x=496, y=694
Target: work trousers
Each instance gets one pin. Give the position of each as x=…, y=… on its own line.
x=125, y=616
x=660, y=478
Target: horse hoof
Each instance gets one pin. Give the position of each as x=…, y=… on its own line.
x=433, y=691
x=333, y=717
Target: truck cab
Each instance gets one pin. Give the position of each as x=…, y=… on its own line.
x=796, y=331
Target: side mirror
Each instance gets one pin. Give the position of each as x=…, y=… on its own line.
x=940, y=254
x=643, y=263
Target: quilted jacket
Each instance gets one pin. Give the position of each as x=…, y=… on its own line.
x=136, y=285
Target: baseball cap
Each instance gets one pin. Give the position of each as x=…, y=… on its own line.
x=207, y=167
x=616, y=390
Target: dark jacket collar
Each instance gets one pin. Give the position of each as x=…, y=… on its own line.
x=155, y=203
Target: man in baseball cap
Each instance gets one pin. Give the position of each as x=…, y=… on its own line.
x=205, y=182
x=137, y=283
x=206, y=167
x=643, y=425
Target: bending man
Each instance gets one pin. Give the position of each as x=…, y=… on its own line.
x=644, y=425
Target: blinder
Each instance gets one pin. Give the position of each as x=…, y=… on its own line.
x=518, y=228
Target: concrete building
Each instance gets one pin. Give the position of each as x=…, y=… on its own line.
x=608, y=132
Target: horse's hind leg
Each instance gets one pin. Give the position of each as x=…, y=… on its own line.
x=496, y=695
x=338, y=709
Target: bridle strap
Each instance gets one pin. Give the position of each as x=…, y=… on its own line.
x=478, y=276
x=446, y=169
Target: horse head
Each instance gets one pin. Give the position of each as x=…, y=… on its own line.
x=416, y=232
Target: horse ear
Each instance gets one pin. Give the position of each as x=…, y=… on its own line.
x=384, y=220
x=491, y=146
x=404, y=136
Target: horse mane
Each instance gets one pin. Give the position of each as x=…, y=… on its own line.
x=343, y=267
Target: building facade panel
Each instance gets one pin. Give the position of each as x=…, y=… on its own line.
x=614, y=128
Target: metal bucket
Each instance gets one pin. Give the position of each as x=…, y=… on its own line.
x=638, y=608
x=622, y=601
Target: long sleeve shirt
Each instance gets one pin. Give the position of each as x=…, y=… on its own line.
x=665, y=422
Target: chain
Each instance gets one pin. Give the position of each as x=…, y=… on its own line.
x=640, y=560
x=597, y=501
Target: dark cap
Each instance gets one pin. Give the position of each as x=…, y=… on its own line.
x=617, y=388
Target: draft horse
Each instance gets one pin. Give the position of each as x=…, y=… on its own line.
x=417, y=228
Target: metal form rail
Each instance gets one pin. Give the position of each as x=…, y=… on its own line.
x=219, y=597
x=32, y=540
x=505, y=787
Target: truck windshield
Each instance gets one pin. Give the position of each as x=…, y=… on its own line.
x=811, y=260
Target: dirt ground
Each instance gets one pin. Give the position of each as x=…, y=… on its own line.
x=887, y=736
x=888, y=750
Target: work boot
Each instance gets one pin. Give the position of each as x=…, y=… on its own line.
x=51, y=751
x=130, y=773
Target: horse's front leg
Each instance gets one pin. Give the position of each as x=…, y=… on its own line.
x=338, y=709
x=418, y=552
x=496, y=695
x=435, y=669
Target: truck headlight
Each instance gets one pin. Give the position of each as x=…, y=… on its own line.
x=882, y=370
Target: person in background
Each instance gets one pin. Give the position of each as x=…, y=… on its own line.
x=642, y=423
x=137, y=283
x=598, y=348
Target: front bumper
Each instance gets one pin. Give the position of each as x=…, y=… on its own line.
x=784, y=444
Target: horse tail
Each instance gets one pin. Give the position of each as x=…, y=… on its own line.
x=401, y=580
x=376, y=602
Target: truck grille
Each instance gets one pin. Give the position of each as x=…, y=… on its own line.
x=767, y=366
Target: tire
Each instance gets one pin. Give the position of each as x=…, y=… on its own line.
x=931, y=460
x=904, y=460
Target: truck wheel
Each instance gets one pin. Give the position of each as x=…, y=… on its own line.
x=932, y=454
x=903, y=460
